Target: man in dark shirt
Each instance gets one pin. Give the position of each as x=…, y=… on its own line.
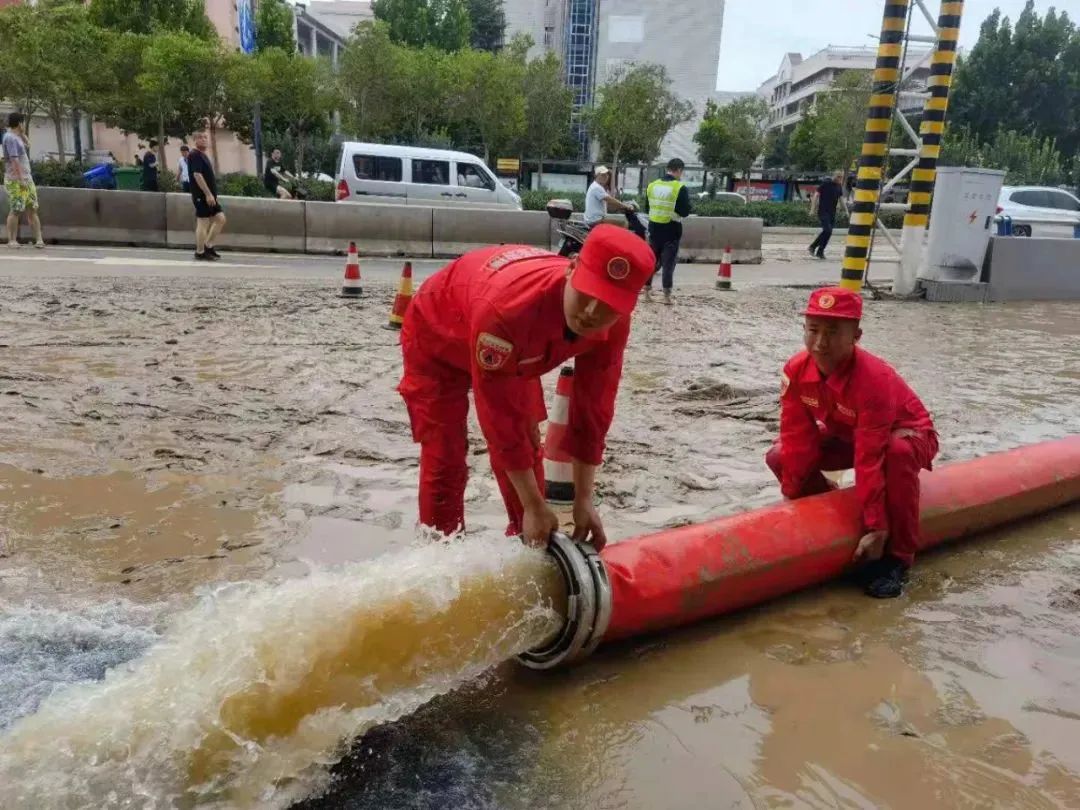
x=829, y=193
x=667, y=201
x=150, y=169
x=275, y=177
x=209, y=217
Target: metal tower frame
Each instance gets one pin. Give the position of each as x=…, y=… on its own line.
x=890, y=72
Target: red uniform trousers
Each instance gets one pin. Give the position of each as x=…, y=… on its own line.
x=437, y=397
x=907, y=454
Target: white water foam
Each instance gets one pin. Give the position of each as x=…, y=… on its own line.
x=254, y=692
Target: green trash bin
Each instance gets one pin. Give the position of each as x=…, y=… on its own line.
x=128, y=178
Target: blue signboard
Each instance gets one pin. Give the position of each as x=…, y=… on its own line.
x=246, y=14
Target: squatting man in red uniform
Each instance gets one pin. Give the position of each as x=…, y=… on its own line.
x=495, y=320
x=841, y=406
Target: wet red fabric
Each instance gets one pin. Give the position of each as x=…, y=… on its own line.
x=905, y=456
x=860, y=404
x=492, y=322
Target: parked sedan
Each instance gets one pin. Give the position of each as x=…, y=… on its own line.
x=1039, y=210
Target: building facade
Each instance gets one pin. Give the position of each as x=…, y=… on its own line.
x=798, y=82
x=597, y=38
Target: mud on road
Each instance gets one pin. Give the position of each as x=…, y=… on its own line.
x=157, y=435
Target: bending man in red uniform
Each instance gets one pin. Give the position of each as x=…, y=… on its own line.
x=842, y=407
x=495, y=320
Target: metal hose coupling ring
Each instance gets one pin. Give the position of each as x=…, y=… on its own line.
x=588, y=606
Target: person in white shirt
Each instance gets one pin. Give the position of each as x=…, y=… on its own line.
x=183, y=177
x=597, y=198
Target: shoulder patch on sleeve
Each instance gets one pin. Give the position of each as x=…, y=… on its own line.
x=785, y=382
x=492, y=351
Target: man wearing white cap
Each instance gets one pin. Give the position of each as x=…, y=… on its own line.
x=597, y=198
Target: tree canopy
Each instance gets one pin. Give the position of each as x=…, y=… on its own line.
x=732, y=136
x=1023, y=78
x=634, y=111
x=274, y=26
x=444, y=24
x=153, y=16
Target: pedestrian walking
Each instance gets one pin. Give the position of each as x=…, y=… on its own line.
x=828, y=194
x=667, y=201
x=18, y=181
x=150, y=169
x=209, y=216
x=183, y=175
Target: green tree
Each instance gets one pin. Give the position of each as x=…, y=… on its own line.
x=302, y=98
x=274, y=25
x=444, y=24
x=777, y=145
x=183, y=81
x=841, y=118
x=150, y=16
x=548, y=107
x=368, y=89
x=423, y=87
x=488, y=24
x=805, y=148
x=488, y=89
x=633, y=112
x=39, y=45
x=1026, y=159
x=1025, y=79
x=732, y=136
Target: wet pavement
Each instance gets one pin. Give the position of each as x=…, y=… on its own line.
x=168, y=428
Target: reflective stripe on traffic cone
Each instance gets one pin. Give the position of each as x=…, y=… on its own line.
x=558, y=465
x=350, y=288
x=404, y=296
x=723, y=277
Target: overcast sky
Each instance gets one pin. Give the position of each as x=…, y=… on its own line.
x=757, y=33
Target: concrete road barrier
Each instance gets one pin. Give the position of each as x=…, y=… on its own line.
x=704, y=239
x=458, y=230
x=93, y=216
x=378, y=230
x=252, y=223
x=1034, y=269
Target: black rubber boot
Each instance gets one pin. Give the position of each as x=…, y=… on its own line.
x=890, y=579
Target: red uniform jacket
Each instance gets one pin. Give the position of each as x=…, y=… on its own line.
x=861, y=403
x=497, y=314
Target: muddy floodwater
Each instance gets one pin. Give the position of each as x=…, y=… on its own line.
x=230, y=452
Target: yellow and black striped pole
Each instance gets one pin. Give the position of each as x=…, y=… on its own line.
x=930, y=132
x=875, y=142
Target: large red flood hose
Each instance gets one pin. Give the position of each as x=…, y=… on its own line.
x=678, y=576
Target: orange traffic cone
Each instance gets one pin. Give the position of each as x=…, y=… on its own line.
x=350, y=288
x=558, y=466
x=404, y=296
x=723, y=277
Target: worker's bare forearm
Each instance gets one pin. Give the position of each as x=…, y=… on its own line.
x=584, y=480
x=526, y=487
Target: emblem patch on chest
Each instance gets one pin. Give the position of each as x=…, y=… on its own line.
x=850, y=414
x=492, y=351
x=811, y=402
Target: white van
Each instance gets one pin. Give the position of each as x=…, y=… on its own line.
x=410, y=175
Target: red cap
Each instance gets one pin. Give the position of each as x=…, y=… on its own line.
x=835, y=302
x=613, y=266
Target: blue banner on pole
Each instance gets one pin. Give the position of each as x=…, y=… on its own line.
x=246, y=15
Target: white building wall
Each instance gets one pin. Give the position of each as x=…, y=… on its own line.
x=683, y=36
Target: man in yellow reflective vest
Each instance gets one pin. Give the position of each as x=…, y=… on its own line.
x=667, y=202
